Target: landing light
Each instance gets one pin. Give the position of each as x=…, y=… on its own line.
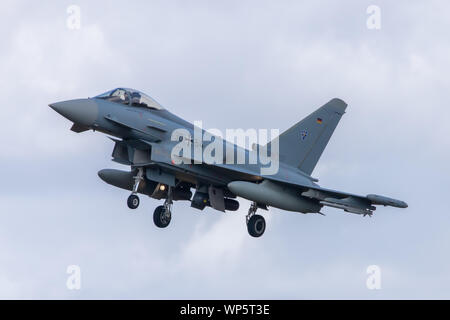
x=162, y=187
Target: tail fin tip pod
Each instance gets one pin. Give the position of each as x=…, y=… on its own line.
x=338, y=105
x=302, y=145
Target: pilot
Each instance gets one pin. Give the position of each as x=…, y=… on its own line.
x=135, y=98
x=119, y=96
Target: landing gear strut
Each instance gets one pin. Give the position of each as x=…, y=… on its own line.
x=163, y=214
x=256, y=224
x=133, y=199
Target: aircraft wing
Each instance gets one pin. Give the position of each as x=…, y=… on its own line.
x=305, y=186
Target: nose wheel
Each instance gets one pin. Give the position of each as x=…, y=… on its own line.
x=256, y=224
x=133, y=199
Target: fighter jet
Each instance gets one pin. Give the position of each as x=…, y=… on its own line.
x=143, y=133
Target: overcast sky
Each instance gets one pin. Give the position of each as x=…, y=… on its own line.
x=231, y=64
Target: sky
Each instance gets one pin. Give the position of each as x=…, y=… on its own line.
x=233, y=64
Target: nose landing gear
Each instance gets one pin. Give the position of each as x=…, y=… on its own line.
x=133, y=199
x=256, y=224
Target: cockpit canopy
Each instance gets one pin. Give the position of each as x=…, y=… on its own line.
x=132, y=97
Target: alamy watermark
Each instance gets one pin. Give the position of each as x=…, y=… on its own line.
x=239, y=147
x=74, y=279
x=373, y=281
x=374, y=19
x=73, y=21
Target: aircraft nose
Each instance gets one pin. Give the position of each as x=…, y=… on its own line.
x=80, y=111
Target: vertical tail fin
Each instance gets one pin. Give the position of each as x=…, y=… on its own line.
x=302, y=145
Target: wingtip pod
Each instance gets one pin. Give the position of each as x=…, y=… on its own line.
x=385, y=201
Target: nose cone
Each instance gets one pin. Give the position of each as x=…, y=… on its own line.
x=80, y=111
x=403, y=204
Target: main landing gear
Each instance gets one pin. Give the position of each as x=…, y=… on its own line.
x=163, y=214
x=256, y=224
x=133, y=199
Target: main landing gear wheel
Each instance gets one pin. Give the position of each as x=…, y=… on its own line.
x=256, y=225
x=162, y=216
x=133, y=201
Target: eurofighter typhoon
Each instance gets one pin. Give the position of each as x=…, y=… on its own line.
x=172, y=159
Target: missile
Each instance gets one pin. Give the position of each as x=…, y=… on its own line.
x=348, y=208
x=274, y=195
